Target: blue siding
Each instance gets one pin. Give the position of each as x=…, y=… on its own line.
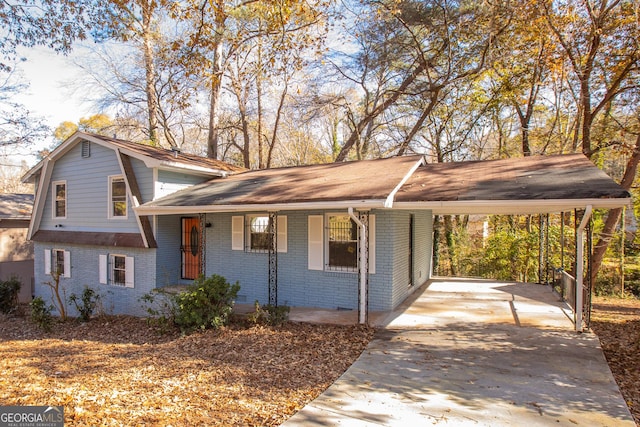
x=87, y=193
x=85, y=272
x=169, y=266
x=170, y=182
x=301, y=287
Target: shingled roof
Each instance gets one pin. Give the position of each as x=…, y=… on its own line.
x=361, y=183
x=152, y=156
x=522, y=185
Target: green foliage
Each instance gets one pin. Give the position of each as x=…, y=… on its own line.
x=269, y=314
x=207, y=303
x=161, y=308
x=41, y=313
x=511, y=255
x=9, y=294
x=86, y=303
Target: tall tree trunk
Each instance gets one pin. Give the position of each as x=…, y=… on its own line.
x=614, y=214
x=216, y=81
x=150, y=71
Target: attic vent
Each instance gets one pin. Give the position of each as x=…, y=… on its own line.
x=86, y=149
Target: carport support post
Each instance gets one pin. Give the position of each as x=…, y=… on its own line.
x=580, y=266
x=362, y=252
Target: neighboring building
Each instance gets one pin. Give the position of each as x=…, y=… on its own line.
x=127, y=219
x=16, y=252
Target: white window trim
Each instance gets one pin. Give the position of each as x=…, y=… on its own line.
x=328, y=267
x=105, y=270
x=54, y=199
x=110, y=199
x=318, y=244
x=241, y=234
x=48, y=262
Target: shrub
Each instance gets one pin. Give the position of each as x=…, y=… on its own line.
x=207, y=303
x=9, y=294
x=161, y=308
x=41, y=313
x=269, y=314
x=86, y=304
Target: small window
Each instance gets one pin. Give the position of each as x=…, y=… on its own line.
x=342, y=245
x=86, y=149
x=117, y=197
x=59, y=199
x=57, y=261
x=116, y=270
x=258, y=233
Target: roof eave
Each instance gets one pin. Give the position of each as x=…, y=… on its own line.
x=257, y=207
x=512, y=207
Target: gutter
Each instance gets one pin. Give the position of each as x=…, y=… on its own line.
x=362, y=253
x=258, y=207
x=580, y=266
x=529, y=206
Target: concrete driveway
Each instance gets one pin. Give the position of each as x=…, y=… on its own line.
x=475, y=353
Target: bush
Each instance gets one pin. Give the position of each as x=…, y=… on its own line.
x=269, y=314
x=86, y=304
x=207, y=303
x=41, y=313
x=9, y=290
x=161, y=308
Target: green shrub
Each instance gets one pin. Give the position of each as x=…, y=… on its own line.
x=41, y=313
x=9, y=290
x=161, y=308
x=269, y=314
x=86, y=303
x=207, y=303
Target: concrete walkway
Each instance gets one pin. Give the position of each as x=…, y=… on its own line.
x=475, y=353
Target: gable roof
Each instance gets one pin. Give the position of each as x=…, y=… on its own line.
x=153, y=157
x=535, y=184
x=367, y=183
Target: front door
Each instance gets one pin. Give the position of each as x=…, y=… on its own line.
x=190, y=247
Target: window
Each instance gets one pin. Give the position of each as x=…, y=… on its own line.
x=255, y=237
x=59, y=199
x=342, y=243
x=116, y=270
x=117, y=197
x=334, y=246
x=258, y=233
x=57, y=261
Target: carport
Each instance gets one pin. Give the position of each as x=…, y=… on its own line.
x=524, y=186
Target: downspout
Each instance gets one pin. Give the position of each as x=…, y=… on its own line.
x=362, y=253
x=580, y=266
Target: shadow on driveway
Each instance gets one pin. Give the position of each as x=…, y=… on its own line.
x=475, y=353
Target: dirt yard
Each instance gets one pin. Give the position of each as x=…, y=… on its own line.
x=617, y=324
x=118, y=371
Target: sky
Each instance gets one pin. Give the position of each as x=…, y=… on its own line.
x=46, y=73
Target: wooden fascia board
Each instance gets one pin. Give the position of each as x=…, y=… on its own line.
x=135, y=195
x=40, y=197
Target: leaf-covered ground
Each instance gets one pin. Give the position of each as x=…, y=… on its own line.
x=617, y=323
x=116, y=371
